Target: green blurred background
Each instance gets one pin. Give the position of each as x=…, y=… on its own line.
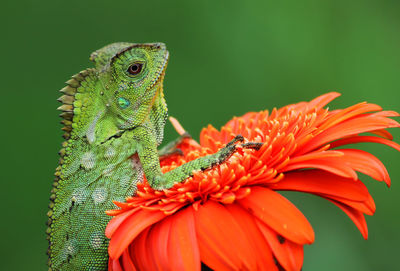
x=227, y=58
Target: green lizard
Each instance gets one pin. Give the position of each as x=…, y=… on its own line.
x=114, y=117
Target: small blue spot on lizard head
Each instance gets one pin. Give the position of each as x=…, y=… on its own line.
x=123, y=103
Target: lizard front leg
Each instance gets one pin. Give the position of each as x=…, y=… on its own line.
x=148, y=155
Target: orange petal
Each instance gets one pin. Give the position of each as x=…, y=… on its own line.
x=223, y=244
x=280, y=214
x=114, y=265
x=383, y=133
x=289, y=254
x=183, y=248
x=367, y=207
x=127, y=262
x=130, y=228
x=366, y=163
x=350, y=127
x=356, y=216
x=360, y=139
x=116, y=221
x=318, y=181
x=140, y=253
x=349, y=112
x=323, y=100
x=331, y=164
x=261, y=250
x=315, y=155
x=178, y=127
x=208, y=136
x=157, y=243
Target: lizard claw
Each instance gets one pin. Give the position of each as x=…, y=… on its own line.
x=232, y=147
x=238, y=138
x=253, y=145
x=247, y=145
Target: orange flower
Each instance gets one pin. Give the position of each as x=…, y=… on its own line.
x=230, y=217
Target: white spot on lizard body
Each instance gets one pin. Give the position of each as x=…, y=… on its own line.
x=78, y=196
x=110, y=152
x=88, y=160
x=99, y=195
x=96, y=240
x=70, y=249
x=91, y=132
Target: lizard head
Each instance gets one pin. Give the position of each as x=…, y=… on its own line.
x=132, y=83
x=124, y=91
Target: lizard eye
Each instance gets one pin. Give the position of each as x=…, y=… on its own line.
x=135, y=68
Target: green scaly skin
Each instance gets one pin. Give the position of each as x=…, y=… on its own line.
x=114, y=121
